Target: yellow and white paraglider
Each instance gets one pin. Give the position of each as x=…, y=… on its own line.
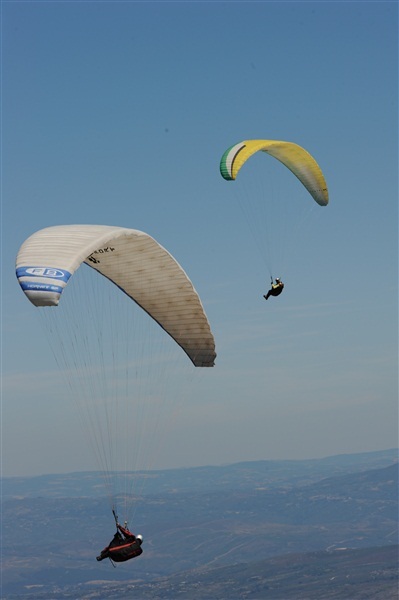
x=256, y=203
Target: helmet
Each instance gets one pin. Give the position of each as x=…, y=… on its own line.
x=139, y=537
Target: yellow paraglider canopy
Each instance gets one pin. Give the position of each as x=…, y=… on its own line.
x=294, y=157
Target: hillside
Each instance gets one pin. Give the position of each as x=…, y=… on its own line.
x=51, y=541
x=367, y=574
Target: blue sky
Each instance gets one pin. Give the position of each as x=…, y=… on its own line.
x=118, y=113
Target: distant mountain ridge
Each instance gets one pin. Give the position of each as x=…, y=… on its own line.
x=274, y=473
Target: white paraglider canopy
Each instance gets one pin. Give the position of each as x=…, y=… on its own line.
x=131, y=259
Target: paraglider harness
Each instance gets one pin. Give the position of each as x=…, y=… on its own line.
x=276, y=288
x=124, y=546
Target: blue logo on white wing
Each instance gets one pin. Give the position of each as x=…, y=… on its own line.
x=46, y=272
